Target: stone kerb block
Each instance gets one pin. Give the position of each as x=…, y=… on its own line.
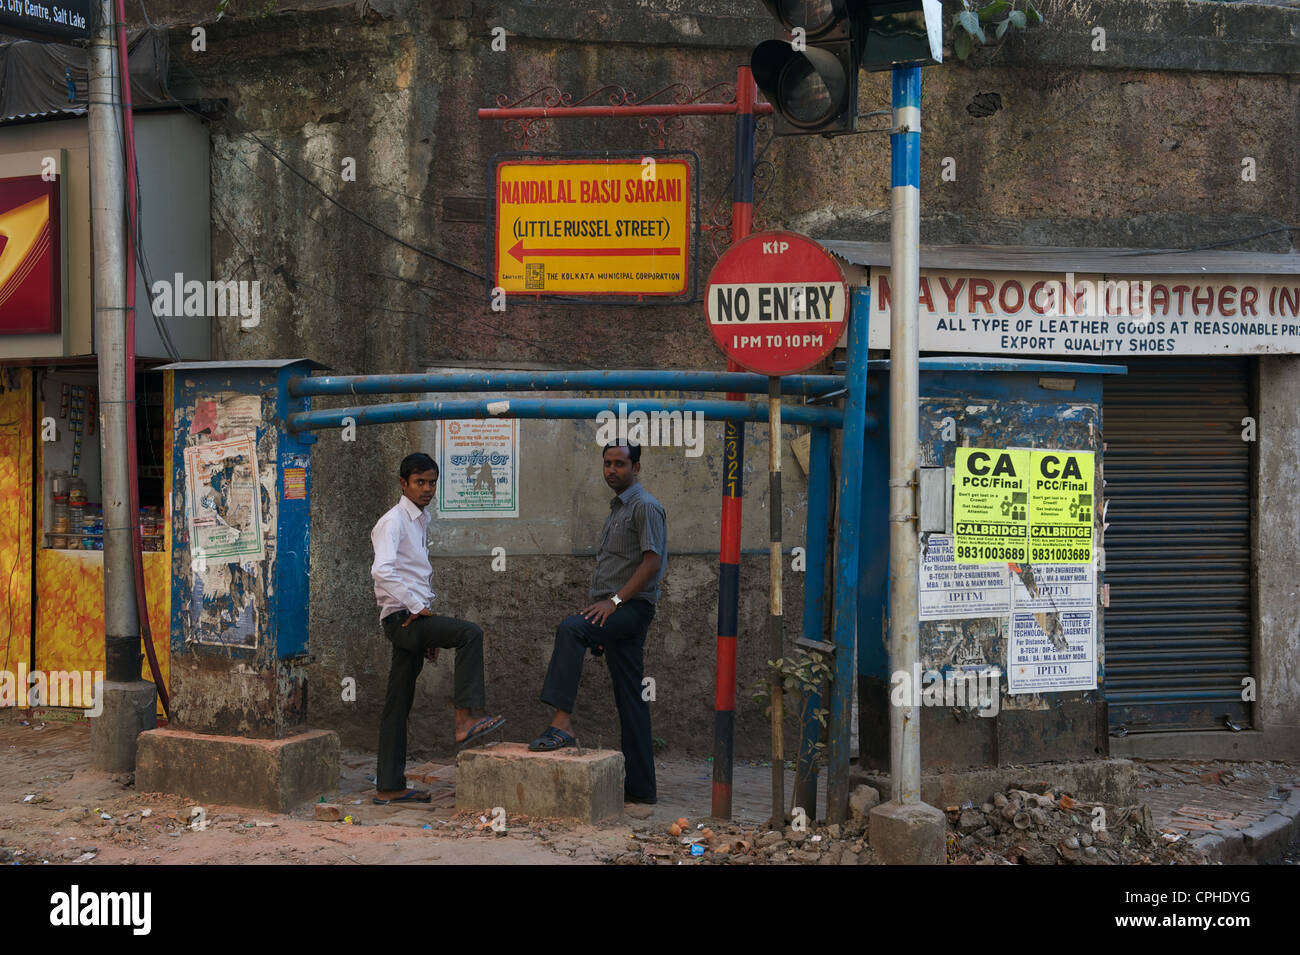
x=585, y=785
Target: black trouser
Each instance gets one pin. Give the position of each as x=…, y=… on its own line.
x=622, y=637
x=409, y=645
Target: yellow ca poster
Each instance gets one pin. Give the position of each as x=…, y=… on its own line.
x=990, y=506
x=1060, y=507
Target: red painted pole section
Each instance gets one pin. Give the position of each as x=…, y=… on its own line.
x=724, y=697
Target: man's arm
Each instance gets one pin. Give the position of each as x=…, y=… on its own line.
x=384, y=570
x=601, y=609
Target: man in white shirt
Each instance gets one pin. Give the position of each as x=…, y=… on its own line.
x=402, y=575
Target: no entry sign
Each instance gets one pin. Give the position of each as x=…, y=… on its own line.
x=777, y=303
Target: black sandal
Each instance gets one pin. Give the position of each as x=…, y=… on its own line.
x=552, y=739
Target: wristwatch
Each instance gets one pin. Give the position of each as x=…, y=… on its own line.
x=616, y=600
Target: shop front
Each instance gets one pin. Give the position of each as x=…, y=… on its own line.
x=51, y=553
x=51, y=528
x=1193, y=482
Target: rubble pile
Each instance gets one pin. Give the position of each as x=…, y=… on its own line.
x=719, y=843
x=1037, y=825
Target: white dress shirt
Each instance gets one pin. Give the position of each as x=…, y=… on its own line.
x=402, y=573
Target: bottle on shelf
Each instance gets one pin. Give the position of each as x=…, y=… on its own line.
x=59, y=516
x=76, y=512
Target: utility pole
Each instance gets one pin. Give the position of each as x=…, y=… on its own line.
x=905, y=830
x=129, y=703
x=904, y=417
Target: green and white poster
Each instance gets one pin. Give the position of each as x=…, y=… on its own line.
x=990, y=506
x=478, y=467
x=1060, y=507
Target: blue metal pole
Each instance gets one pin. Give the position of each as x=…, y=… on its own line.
x=845, y=603
x=576, y=408
x=814, y=606
x=620, y=380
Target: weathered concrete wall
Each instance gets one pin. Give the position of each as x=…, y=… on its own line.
x=1276, y=546
x=549, y=558
x=1138, y=145
x=518, y=613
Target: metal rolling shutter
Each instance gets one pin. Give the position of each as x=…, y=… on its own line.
x=1178, y=478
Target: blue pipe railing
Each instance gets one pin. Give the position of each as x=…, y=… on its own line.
x=617, y=380
x=576, y=408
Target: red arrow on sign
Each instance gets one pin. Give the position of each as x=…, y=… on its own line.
x=518, y=251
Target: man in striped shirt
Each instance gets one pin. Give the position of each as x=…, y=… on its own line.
x=630, y=566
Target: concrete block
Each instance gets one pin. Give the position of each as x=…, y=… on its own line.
x=1267, y=839
x=1233, y=849
x=1212, y=844
x=272, y=774
x=1291, y=808
x=129, y=710
x=1101, y=780
x=581, y=784
x=862, y=800
x=908, y=834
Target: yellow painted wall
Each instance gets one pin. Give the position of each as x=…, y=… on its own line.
x=15, y=519
x=70, y=610
x=70, y=599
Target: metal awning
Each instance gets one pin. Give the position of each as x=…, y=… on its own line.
x=985, y=363
x=1059, y=259
x=311, y=364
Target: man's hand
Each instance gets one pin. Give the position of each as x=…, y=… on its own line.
x=431, y=654
x=599, y=612
x=426, y=612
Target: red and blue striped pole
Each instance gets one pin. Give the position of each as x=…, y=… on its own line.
x=733, y=462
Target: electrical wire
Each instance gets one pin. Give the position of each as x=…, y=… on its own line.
x=483, y=320
x=362, y=219
x=134, y=225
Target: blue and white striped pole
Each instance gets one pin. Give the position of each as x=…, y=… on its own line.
x=904, y=397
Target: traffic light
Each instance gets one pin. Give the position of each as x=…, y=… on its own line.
x=811, y=77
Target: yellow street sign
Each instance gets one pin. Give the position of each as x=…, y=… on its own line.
x=602, y=227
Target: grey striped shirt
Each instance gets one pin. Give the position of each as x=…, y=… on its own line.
x=636, y=524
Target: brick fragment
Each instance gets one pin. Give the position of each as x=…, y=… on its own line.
x=328, y=812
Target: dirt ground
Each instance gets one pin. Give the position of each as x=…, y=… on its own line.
x=55, y=811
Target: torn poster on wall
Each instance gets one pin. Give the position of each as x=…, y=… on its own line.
x=1051, y=653
x=950, y=590
x=1047, y=611
x=224, y=516
x=1055, y=587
